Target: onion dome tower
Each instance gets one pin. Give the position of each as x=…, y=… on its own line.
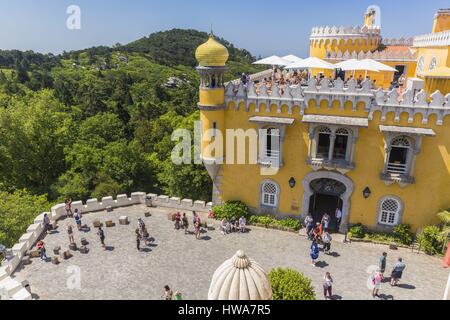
x=212, y=58
x=240, y=278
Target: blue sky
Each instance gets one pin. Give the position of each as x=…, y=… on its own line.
x=263, y=27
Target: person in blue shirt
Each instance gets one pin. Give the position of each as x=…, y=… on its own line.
x=314, y=253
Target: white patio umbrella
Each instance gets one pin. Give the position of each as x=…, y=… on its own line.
x=273, y=61
x=378, y=65
x=311, y=63
x=354, y=65
x=292, y=58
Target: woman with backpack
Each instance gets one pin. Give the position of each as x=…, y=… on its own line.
x=377, y=278
x=314, y=252
x=77, y=217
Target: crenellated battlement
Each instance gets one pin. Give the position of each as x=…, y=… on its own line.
x=407, y=42
x=337, y=91
x=377, y=55
x=334, y=32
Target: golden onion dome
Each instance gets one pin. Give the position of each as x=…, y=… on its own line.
x=212, y=54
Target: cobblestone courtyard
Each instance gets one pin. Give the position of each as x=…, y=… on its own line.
x=187, y=265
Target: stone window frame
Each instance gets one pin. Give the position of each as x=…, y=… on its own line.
x=408, y=176
x=433, y=63
x=420, y=64
x=348, y=162
x=267, y=208
x=263, y=159
x=398, y=213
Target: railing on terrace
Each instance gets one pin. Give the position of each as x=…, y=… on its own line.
x=433, y=39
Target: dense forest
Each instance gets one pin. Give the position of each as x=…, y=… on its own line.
x=98, y=122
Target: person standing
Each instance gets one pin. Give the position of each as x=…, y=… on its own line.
x=42, y=251
x=185, y=223
x=47, y=227
x=178, y=296
x=338, y=215
x=309, y=223
x=68, y=207
x=101, y=235
x=77, y=217
x=243, y=224
x=376, y=282
x=397, y=272
x=314, y=252
x=70, y=233
x=326, y=220
x=168, y=294
x=178, y=221
x=326, y=242
x=197, y=227
x=328, y=286
x=382, y=263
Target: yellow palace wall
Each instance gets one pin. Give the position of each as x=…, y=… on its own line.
x=421, y=200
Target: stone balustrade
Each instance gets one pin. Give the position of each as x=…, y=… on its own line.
x=16, y=291
x=408, y=42
x=437, y=39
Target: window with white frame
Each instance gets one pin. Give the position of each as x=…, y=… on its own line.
x=269, y=194
x=390, y=209
x=399, y=154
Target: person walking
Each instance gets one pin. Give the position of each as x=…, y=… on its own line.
x=397, y=272
x=314, y=252
x=101, y=235
x=185, y=223
x=326, y=242
x=77, y=217
x=327, y=286
x=382, y=263
x=168, y=294
x=377, y=278
x=138, y=239
x=197, y=227
x=70, y=233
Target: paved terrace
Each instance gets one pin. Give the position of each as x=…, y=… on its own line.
x=187, y=264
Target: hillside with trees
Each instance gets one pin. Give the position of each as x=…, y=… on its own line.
x=98, y=122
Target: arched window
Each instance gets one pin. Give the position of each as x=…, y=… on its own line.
x=390, y=209
x=399, y=155
x=420, y=64
x=433, y=63
x=341, y=144
x=323, y=144
x=269, y=194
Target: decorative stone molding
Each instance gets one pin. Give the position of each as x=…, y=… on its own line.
x=308, y=192
x=438, y=39
x=377, y=55
x=16, y=291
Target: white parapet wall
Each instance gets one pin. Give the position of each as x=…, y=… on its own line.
x=16, y=291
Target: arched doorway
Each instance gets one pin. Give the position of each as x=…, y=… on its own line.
x=326, y=198
x=325, y=191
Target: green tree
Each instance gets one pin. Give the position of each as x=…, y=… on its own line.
x=288, y=285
